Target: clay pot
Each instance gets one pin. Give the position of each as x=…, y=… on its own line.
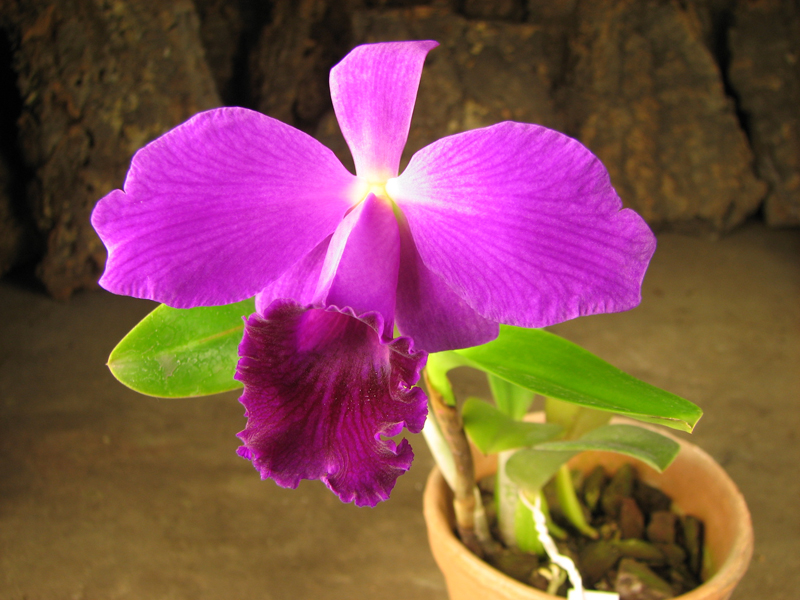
x=697, y=485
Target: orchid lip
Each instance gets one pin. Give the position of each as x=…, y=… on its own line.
x=323, y=392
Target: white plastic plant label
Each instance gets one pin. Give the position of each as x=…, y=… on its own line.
x=577, y=592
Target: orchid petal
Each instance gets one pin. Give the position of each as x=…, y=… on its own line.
x=320, y=391
x=361, y=266
x=299, y=282
x=373, y=90
x=522, y=222
x=219, y=207
x=430, y=312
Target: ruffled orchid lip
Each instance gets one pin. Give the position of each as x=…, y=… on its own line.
x=323, y=392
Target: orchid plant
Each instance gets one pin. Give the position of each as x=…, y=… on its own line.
x=323, y=293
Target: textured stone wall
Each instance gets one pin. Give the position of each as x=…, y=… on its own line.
x=765, y=73
x=98, y=80
x=647, y=96
x=691, y=104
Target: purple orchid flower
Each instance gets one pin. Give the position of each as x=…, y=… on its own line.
x=513, y=223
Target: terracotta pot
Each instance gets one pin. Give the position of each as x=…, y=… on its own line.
x=697, y=485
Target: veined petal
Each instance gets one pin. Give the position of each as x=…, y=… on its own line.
x=522, y=222
x=299, y=282
x=362, y=261
x=218, y=207
x=320, y=391
x=373, y=90
x=430, y=312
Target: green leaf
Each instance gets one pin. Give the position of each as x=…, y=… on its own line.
x=648, y=446
x=509, y=398
x=533, y=467
x=570, y=505
x=439, y=363
x=492, y=431
x=576, y=420
x=175, y=353
x=530, y=469
x=552, y=366
x=527, y=537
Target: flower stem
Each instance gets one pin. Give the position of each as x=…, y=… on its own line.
x=464, y=489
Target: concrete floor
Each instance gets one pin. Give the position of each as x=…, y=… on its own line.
x=105, y=494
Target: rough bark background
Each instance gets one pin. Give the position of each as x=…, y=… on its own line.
x=691, y=104
x=647, y=96
x=765, y=73
x=98, y=80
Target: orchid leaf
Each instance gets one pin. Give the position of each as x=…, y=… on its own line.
x=576, y=420
x=527, y=537
x=492, y=431
x=175, y=353
x=439, y=363
x=552, y=366
x=530, y=469
x=570, y=505
x=650, y=447
x=510, y=398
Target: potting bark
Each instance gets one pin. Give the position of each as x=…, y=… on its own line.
x=646, y=550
